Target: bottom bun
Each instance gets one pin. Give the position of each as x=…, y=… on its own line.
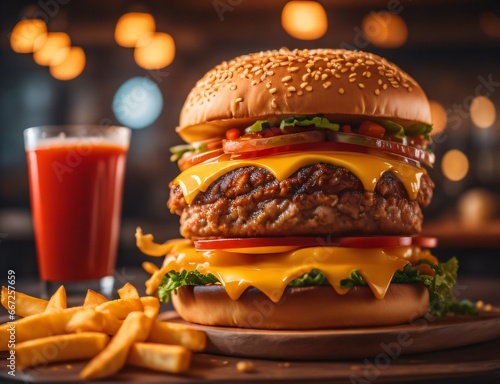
x=302, y=308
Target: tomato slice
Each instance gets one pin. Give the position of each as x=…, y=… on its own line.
x=374, y=241
x=243, y=145
x=383, y=145
x=259, y=245
x=324, y=146
x=192, y=159
x=425, y=242
x=315, y=141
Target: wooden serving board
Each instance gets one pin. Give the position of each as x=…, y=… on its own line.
x=455, y=348
x=424, y=335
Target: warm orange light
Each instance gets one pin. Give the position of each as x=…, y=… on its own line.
x=385, y=29
x=154, y=50
x=438, y=115
x=72, y=65
x=46, y=49
x=131, y=26
x=305, y=20
x=482, y=112
x=24, y=34
x=455, y=165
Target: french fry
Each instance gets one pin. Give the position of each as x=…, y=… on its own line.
x=94, y=298
x=136, y=327
x=159, y=357
x=149, y=267
x=38, y=326
x=26, y=305
x=57, y=301
x=60, y=348
x=156, y=278
x=128, y=291
x=50, y=332
x=177, y=334
x=90, y=320
x=151, y=306
x=120, y=308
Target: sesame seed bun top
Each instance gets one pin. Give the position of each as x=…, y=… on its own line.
x=343, y=85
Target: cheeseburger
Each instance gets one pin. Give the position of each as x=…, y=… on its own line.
x=300, y=197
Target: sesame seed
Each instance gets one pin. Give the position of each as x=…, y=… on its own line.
x=238, y=100
x=293, y=69
x=268, y=85
x=316, y=76
x=286, y=78
x=299, y=93
x=361, y=85
x=369, y=62
x=384, y=86
x=270, y=73
x=352, y=75
x=379, y=81
x=344, y=70
x=306, y=76
x=309, y=88
x=377, y=91
x=341, y=91
x=337, y=76
x=272, y=90
x=273, y=103
x=254, y=82
x=352, y=80
x=368, y=74
x=304, y=84
x=327, y=84
x=233, y=87
x=291, y=89
x=324, y=76
x=309, y=65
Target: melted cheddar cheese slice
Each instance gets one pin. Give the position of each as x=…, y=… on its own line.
x=367, y=168
x=271, y=273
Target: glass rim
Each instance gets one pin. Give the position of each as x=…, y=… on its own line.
x=34, y=136
x=62, y=127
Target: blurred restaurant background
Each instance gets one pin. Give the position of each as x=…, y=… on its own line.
x=133, y=63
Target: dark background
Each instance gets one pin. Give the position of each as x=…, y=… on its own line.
x=448, y=51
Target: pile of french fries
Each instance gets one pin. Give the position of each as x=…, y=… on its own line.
x=111, y=334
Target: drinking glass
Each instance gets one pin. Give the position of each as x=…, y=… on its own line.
x=76, y=175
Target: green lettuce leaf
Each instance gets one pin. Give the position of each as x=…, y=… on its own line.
x=172, y=281
x=441, y=295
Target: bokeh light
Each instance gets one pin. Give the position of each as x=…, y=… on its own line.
x=70, y=63
x=154, y=50
x=46, y=48
x=305, y=20
x=25, y=33
x=476, y=206
x=490, y=24
x=439, y=118
x=454, y=165
x=131, y=26
x=482, y=112
x=385, y=29
x=138, y=102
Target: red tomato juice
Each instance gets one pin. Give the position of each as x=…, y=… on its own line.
x=76, y=195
